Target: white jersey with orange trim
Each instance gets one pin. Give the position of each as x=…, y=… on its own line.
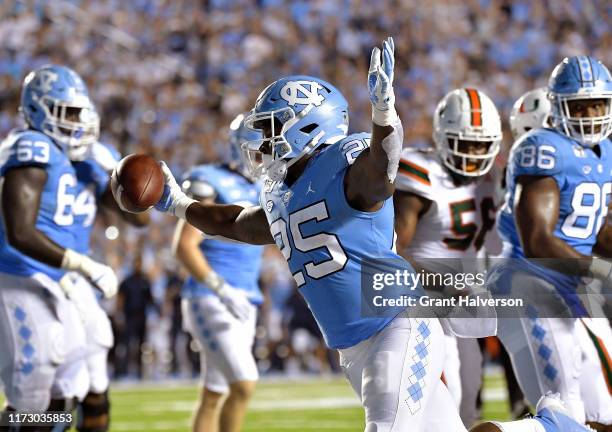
x=461, y=215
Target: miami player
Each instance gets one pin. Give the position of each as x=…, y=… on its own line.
x=327, y=204
x=220, y=296
x=592, y=336
x=530, y=111
x=41, y=338
x=445, y=203
x=449, y=192
x=92, y=195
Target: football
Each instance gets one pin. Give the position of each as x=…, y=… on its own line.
x=139, y=182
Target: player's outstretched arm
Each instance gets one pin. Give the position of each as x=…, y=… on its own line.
x=21, y=194
x=370, y=179
x=248, y=225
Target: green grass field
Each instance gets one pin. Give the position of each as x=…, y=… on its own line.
x=323, y=405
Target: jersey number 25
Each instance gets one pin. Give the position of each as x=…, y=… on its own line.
x=318, y=212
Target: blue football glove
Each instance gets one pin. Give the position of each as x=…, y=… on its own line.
x=380, y=84
x=173, y=199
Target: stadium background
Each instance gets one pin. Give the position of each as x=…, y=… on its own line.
x=169, y=75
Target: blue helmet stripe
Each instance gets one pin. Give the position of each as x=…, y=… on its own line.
x=592, y=71
x=585, y=68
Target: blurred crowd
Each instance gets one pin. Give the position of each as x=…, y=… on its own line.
x=169, y=75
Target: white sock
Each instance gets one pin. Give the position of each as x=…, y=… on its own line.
x=526, y=425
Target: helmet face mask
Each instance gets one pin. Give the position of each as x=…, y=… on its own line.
x=77, y=127
x=589, y=130
x=467, y=132
x=236, y=157
x=295, y=115
x=580, y=90
x=470, y=158
x=267, y=153
x=55, y=101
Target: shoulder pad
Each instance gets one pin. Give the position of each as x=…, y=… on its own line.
x=540, y=153
x=29, y=148
x=352, y=146
x=416, y=172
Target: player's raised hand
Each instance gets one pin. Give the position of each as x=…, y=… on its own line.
x=380, y=84
x=173, y=200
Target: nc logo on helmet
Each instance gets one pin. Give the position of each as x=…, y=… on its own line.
x=46, y=79
x=302, y=93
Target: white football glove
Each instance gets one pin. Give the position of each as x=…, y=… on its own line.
x=68, y=284
x=173, y=200
x=234, y=299
x=99, y=275
x=380, y=84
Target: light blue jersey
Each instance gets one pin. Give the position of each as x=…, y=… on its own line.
x=238, y=264
x=93, y=177
x=324, y=241
x=585, y=186
x=55, y=215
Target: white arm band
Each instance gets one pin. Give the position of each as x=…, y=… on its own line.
x=75, y=261
x=392, y=145
x=384, y=118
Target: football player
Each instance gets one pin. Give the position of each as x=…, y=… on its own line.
x=533, y=111
x=219, y=297
x=327, y=204
x=445, y=207
x=558, y=196
x=93, y=194
x=42, y=340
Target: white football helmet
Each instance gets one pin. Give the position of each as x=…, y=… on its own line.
x=530, y=111
x=463, y=116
